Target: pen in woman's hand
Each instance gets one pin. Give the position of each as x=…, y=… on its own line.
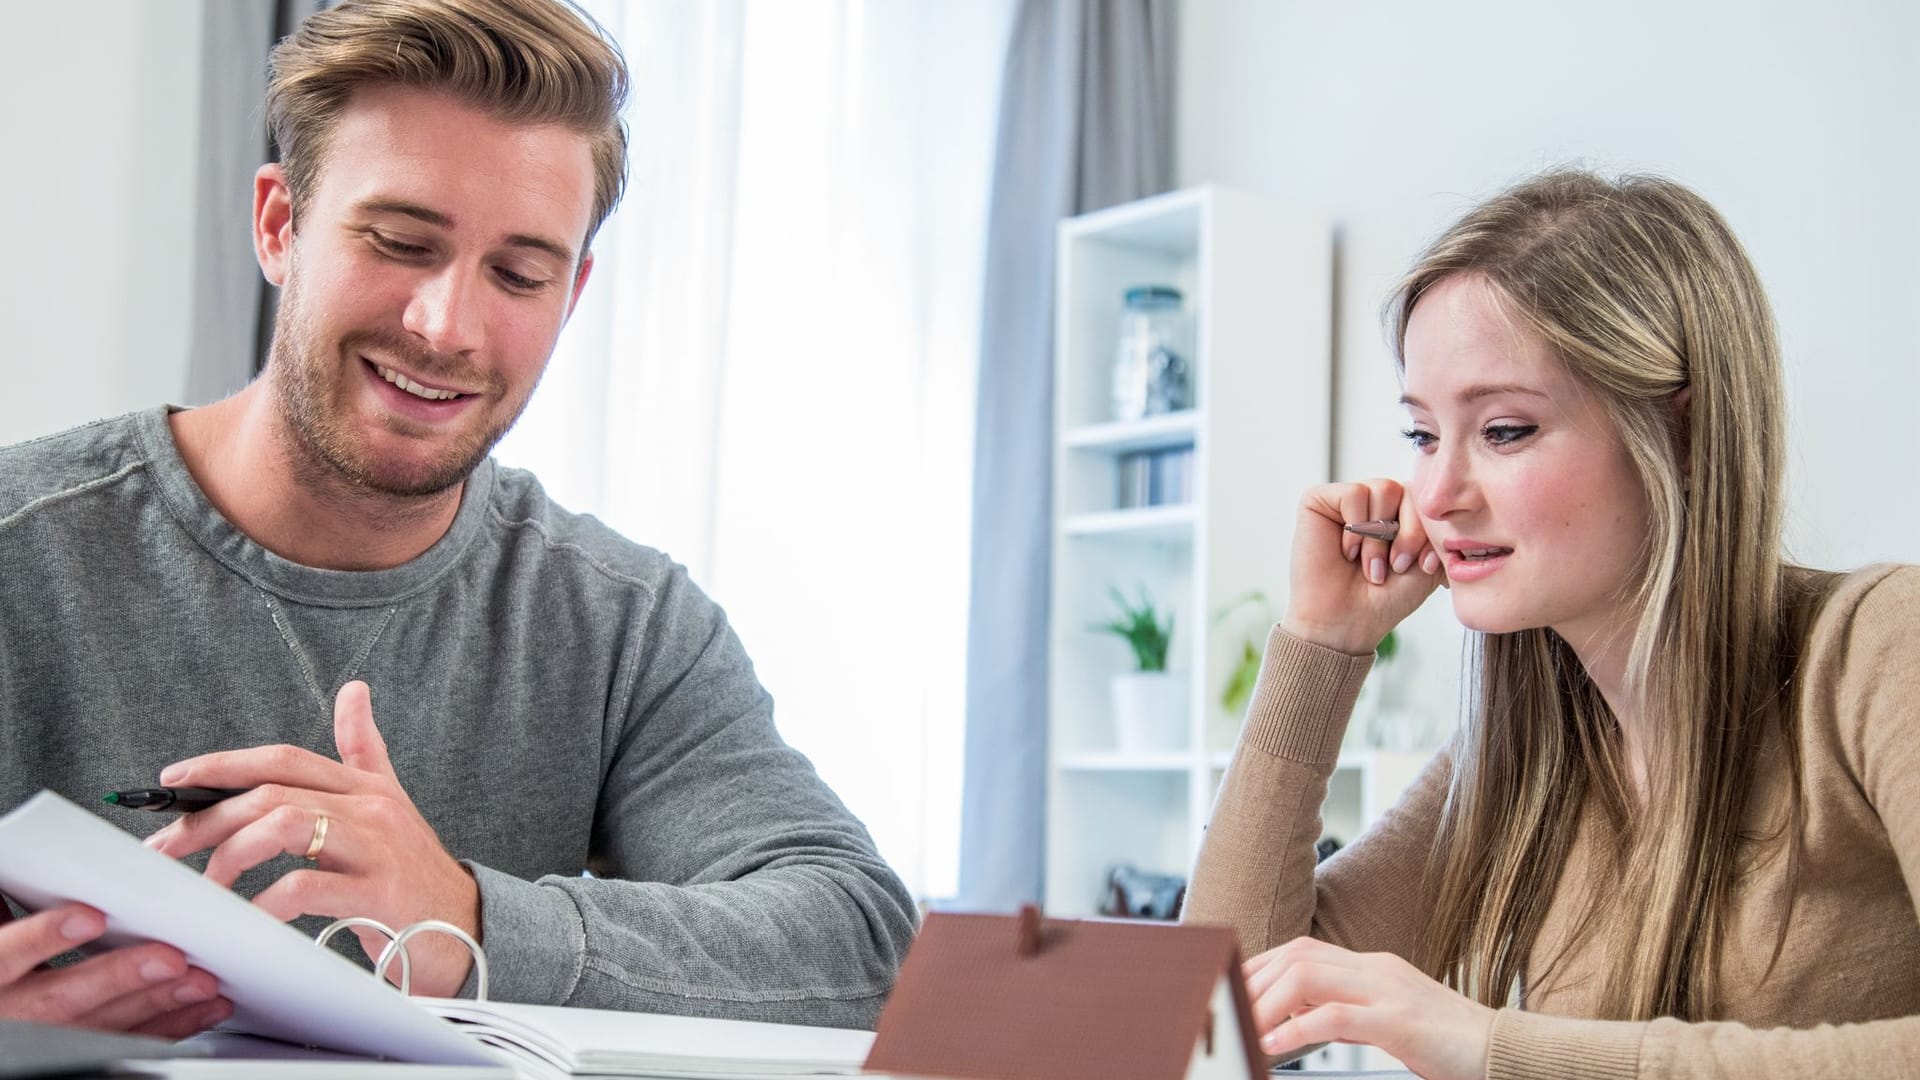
x=1377, y=529
x=178, y=800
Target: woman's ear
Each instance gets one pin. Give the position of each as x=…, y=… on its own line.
x=1682, y=406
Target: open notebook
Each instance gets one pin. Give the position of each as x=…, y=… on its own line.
x=545, y=1041
x=285, y=988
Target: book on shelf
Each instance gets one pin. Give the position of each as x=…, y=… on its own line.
x=1155, y=478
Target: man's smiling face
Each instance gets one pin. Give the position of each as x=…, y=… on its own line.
x=426, y=279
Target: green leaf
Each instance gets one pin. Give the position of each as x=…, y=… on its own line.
x=1240, y=682
x=1388, y=646
x=1140, y=627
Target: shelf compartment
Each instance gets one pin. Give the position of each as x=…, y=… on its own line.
x=1105, y=818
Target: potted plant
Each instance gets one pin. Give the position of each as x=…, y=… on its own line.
x=1149, y=702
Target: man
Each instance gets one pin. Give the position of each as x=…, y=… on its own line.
x=229, y=596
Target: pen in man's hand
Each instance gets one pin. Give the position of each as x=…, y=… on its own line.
x=178, y=800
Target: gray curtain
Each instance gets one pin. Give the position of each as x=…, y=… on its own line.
x=1086, y=121
x=232, y=303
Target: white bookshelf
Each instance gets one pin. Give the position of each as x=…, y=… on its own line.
x=1257, y=280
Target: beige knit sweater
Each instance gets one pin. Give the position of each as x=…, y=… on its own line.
x=1843, y=1000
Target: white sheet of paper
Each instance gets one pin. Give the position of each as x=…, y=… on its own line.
x=281, y=985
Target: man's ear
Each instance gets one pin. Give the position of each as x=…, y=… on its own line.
x=579, y=282
x=272, y=222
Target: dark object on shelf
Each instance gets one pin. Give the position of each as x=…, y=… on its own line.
x=1136, y=894
x=1325, y=848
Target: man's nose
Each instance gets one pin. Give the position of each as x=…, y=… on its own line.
x=445, y=311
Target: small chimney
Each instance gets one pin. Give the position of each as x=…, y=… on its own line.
x=1029, y=930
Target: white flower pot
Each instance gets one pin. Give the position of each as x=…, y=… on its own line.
x=1150, y=710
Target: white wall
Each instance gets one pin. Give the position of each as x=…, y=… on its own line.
x=101, y=124
x=1800, y=122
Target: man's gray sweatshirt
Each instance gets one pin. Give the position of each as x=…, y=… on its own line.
x=551, y=694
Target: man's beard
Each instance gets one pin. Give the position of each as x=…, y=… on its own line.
x=312, y=388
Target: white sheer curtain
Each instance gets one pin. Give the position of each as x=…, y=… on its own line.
x=771, y=375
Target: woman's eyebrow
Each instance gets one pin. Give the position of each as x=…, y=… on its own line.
x=1482, y=390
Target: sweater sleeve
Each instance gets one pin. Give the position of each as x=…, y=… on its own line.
x=1530, y=1046
x=1256, y=870
x=736, y=884
x=1865, y=678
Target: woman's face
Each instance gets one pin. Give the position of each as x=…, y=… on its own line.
x=1520, y=478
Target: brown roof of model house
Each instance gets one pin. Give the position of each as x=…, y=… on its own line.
x=1005, y=997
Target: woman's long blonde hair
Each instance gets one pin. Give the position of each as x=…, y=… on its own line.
x=1639, y=287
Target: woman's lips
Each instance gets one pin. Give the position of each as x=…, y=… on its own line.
x=1472, y=560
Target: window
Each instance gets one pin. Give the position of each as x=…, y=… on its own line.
x=770, y=376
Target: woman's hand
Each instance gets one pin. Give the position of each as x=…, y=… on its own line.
x=1308, y=991
x=1347, y=590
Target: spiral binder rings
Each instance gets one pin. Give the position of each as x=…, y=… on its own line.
x=284, y=988
x=397, y=946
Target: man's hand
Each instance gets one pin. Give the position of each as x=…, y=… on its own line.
x=378, y=857
x=148, y=989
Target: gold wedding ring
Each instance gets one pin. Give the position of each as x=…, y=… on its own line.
x=319, y=838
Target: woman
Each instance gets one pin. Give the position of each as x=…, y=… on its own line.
x=1679, y=834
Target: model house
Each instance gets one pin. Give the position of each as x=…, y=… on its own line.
x=1007, y=997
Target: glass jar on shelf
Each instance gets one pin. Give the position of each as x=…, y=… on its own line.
x=1152, y=369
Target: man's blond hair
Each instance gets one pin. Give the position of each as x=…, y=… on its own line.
x=522, y=61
